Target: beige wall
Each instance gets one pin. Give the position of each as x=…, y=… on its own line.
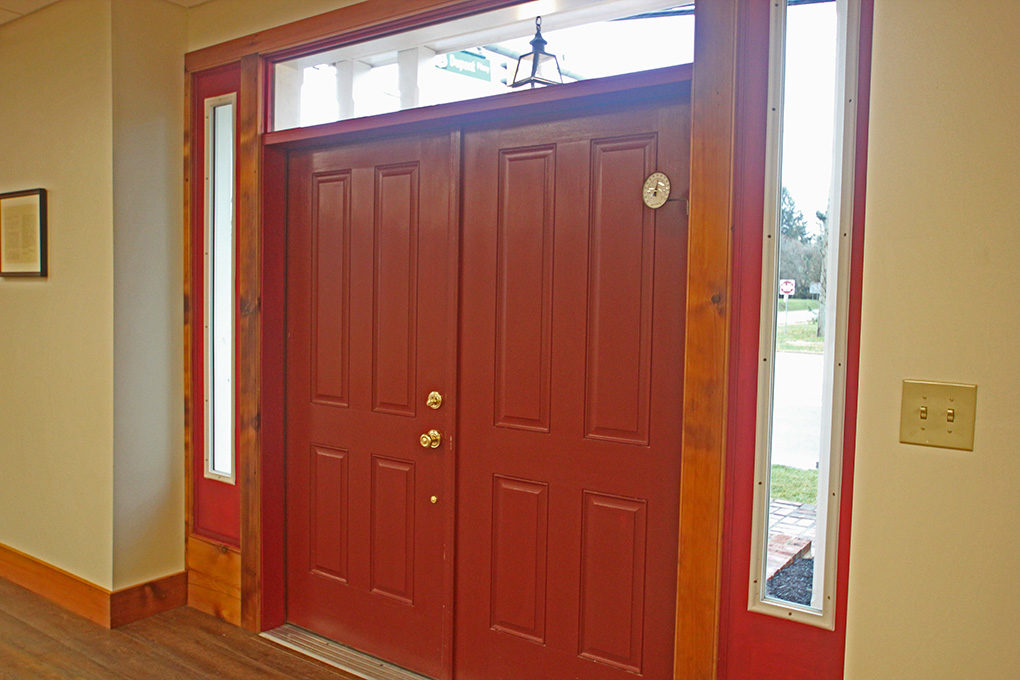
x=148, y=395
x=56, y=334
x=935, y=546
x=91, y=414
x=222, y=20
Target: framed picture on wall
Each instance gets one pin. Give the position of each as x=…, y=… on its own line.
x=23, y=233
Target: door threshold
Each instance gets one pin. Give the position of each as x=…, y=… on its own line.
x=337, y=655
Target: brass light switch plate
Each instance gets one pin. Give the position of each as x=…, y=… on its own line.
x=938, y=414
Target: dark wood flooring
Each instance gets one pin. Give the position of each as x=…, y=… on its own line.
x=41, y=641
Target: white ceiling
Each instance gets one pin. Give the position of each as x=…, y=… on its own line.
x=15, y=9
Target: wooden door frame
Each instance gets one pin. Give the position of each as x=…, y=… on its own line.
x=261, y=298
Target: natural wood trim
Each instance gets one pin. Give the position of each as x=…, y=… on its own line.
x=63, y=588
x=249, y=336
x=349, y=23
x=706, y=346
x=141, y=601
x=214, y=579
x=189, y=434
x=109, y=609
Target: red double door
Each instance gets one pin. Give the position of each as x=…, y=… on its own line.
x=516, y=272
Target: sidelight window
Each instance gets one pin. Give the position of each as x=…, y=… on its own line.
x=218, y=322
x=805, y=299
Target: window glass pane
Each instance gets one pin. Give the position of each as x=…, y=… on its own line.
x=477, y=57
x=220, y=293
x=803, y=291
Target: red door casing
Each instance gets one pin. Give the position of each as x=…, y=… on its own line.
x=571, y=383
x=371, y=330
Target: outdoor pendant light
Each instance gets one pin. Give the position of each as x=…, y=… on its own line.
x=537, y=66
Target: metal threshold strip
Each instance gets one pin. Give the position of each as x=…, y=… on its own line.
x=344, y=658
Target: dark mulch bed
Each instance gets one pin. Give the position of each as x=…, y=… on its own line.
x=793, y=582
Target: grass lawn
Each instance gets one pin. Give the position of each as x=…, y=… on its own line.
x=797, y=304
x=798, y=337
x=794, y=484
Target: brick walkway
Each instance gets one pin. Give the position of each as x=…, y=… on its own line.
x=791, y=530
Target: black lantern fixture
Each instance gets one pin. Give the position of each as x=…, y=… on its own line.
x=537, y=66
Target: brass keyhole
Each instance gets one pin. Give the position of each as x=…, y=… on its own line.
x=434, y=401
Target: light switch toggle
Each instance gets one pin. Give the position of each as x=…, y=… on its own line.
x=924, y=404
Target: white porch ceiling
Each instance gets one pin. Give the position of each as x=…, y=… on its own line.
x=15, y=9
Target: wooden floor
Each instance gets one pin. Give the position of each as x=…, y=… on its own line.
x=41, y=641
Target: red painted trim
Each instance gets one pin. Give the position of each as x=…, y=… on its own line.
x=273, y=385
x=754, y=645
x=216, y=506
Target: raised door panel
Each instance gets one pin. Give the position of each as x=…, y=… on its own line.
x=329, y=513
x=524, y=287
x=331, y=220
x=613, y=580
x=621, y=246
x=395, y=296
x=520, y=536
x=393, y=529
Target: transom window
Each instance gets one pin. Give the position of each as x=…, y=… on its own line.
x=476, y=57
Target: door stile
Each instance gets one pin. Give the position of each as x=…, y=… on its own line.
x=450, y=400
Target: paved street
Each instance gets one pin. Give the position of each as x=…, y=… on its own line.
x=795, y=315
x=796, y=429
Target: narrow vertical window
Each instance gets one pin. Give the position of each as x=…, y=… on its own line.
x=219, y=288
x=805, y=294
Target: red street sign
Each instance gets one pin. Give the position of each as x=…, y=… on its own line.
x=787, y=286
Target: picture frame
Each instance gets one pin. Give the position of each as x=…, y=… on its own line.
x=23, y=233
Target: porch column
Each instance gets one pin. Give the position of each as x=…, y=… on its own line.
x=347, y=74
x=412, y=68
x=287, y=97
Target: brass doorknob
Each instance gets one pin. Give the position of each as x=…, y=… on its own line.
x=431, y=439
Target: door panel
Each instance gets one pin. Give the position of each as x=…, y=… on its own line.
x=620, y=250
x=524, y=235
x=613, y=533
x=520, y=544
x=370, y=334
x=394, y=313
x=571, y=367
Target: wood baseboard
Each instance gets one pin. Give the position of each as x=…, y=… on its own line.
x=148, y=599
x=109, y=609
x=65, y=589
x=214, y=579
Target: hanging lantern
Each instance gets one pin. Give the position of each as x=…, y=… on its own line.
x=537, y=66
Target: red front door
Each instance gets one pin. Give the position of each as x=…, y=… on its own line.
x=571, y=383
x=568, y=396
x=370, y=333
